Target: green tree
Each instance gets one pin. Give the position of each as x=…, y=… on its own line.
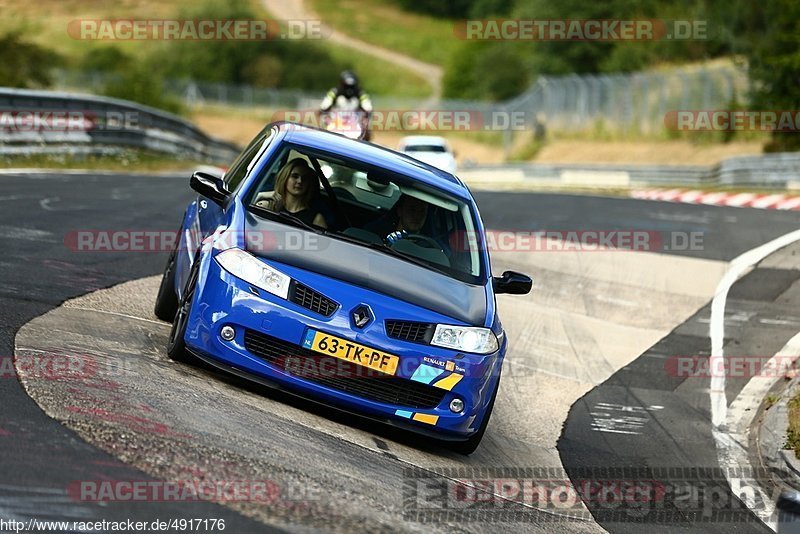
x=459, y=74
x=485, y=71
x=143, y=83
x=128, y=79
x=490, y=8
x=105, y=59
x=269, y=63
x=452, y=9
x=25, y=64
x=774, y=60
x=730, y=27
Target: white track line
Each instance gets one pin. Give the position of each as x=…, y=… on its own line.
x=736, y=268
x=728, y=449
x=736, y=438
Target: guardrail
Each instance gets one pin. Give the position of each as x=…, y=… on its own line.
x=779, y=171
x=89, y=124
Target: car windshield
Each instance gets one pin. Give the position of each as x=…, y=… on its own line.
x=370, y=207
x=425, y=148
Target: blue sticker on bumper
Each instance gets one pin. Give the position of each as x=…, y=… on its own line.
x=426, y=373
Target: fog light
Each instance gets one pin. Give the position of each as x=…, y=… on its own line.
x=456, y=406
x=227, y=333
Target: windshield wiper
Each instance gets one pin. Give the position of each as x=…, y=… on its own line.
x=287, y=217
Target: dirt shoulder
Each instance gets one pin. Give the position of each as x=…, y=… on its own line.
x=240, y=126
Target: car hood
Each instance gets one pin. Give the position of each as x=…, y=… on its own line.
x=366, y=268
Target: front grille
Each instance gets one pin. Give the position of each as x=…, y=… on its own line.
x=410, y=331
x=342, y=375
x=308, y=298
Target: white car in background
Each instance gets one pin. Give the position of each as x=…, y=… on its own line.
x=430, y=149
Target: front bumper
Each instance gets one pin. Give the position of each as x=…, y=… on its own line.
x=221, y=299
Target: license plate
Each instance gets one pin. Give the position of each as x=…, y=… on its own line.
x=351, y=352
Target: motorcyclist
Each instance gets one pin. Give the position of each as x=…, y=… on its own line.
x=348, y=96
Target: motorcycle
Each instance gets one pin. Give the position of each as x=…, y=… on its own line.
x=351, y=124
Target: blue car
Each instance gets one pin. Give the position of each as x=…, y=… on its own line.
x=346, y=273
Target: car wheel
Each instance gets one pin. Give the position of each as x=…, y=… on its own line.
x=167, y=301
x=176, y=346
x=469, y=446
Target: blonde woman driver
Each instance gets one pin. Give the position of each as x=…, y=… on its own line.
x=296, y=192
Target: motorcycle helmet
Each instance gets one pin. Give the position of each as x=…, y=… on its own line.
x=348, y=83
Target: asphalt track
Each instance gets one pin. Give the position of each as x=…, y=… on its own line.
x=42, y=457
x=651, y=422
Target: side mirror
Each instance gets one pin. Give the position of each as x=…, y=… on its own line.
x=209, y=186
x=512, y=283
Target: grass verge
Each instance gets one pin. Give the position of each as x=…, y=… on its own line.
x=46, y=23
x=793, y=432
x=383, y=23
x=380, y=77
x=127, y=161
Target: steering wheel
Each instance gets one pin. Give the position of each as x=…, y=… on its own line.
x=419, y=238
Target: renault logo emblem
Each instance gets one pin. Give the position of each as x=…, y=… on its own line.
x=361, y=315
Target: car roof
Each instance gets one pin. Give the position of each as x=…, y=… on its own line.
x=374, y=155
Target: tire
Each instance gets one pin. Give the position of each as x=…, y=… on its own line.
x=470, y=445
x=176, y=346
x=167, y=301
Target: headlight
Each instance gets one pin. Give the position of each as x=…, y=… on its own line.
x=465, y=338
x=253, y=271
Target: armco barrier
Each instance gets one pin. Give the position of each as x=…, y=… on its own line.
x=778, y=171
x=143, y=127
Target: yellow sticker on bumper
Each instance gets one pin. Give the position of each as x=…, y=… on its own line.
x=449, y=382
x=425, y=418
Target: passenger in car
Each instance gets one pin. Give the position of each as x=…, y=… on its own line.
x=296, y=192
